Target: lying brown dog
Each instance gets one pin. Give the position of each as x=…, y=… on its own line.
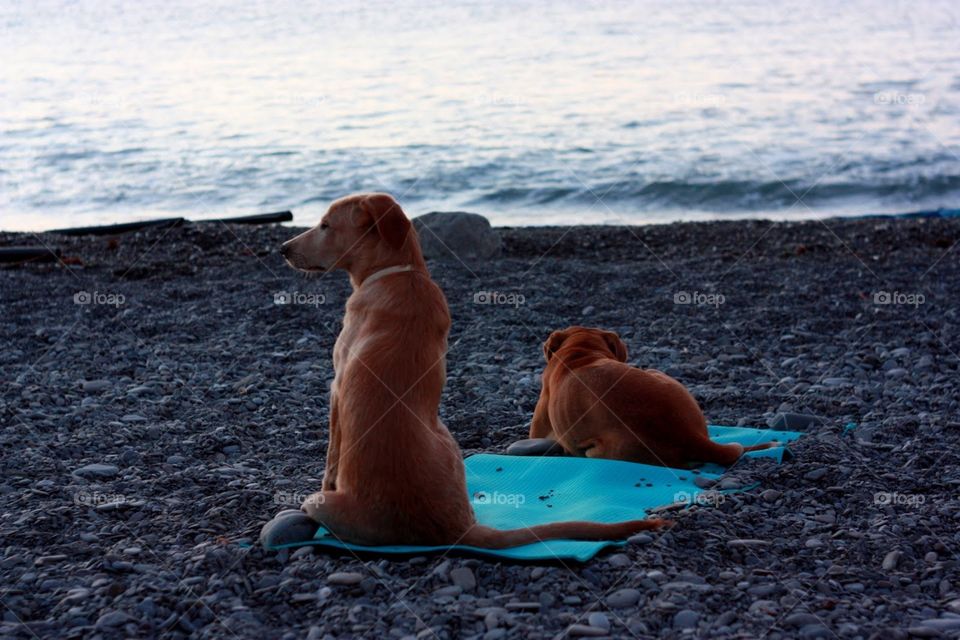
x=394, y=473
x=596, y=405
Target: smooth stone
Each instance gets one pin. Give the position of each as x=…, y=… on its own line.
x=729, y=483
x=764, y=607
x=582, y=630
x=96, y=386
x=76, y=596
x=686, y=619
x=457, y=236
x=112, y=619
x=816, y=474
x=801, y=619
x=835, y=382
x=794, y=421
x=286, y=528
x=449, y=591
x=535, y=447
x=599, y=620
x=640, y=538
x=891, y=560
x=620, y=560
x=302, y=552
x=703, y=482
x=97, y=471
x=747, y=542
x=463, y=577
x=942, y=624
x=622, y=598
x=345, y=578
x=815, y=631
x=771, y=495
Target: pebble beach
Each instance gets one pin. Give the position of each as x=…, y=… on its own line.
x=165, y=393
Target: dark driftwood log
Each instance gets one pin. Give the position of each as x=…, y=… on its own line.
x=125, y=227
x=259, y=218
x=28, y=254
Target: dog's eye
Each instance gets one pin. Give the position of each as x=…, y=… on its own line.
x=324, y=225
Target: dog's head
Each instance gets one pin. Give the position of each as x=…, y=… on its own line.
x=356, y=231
x=586, y=339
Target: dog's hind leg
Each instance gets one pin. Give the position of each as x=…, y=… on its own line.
x=765, y=445
x=340, y=514
x=540, y=426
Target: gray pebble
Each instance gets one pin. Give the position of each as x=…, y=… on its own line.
x=584, y=630
x=344, y=578
x=112, y=619
x=463, y=577
x=599, y=620
x=891, y=560
x=96, y=386
x=620, y=560
x=640, y=538
x=686, y=619
x=622, y=598
x=97, y=471
x=801, y=619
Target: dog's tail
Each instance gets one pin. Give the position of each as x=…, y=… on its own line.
x=727, y=454
x=489, y=538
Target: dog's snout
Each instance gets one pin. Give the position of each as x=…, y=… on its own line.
x=285, y=249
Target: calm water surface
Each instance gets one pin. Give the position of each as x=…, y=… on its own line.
x=527, y=112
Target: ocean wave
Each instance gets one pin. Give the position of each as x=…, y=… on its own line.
x=729, y=195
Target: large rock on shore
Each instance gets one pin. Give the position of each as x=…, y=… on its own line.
x=453, y=235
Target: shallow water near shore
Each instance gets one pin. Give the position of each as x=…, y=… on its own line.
x=528, y=113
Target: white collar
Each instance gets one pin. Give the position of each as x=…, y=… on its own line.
x=376, y=275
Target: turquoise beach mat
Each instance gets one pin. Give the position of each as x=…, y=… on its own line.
x=511, y=492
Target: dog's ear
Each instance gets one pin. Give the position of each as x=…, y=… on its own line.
x=386, y=215
x=617, y=346
x=553, y=343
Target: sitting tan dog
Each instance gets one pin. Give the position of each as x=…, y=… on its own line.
x=594, y=404
x=394, y=473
